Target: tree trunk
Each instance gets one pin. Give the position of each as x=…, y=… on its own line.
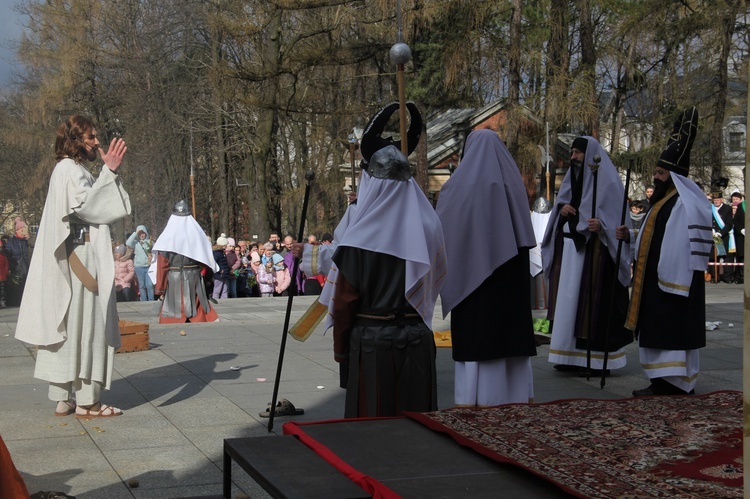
x=588, y=69
x=716, y=141
x=514, y=75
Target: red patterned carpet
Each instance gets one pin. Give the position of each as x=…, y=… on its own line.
x=641, y=447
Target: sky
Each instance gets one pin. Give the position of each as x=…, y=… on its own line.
x=10, y=31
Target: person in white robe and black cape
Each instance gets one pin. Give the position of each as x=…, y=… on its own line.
x=668, y=304
x=391, y=263
x=579, y=253
x=68, y=307
x=183, y=251
x=487, y=288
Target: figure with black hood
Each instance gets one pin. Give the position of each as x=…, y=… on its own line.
x=668, y=305
x=579, y=251
x=391, y=264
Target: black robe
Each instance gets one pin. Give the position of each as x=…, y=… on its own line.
x=667, y=321
x=494, y=321
x=391, y=362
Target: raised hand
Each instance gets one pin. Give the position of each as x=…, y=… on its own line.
x=113, y=157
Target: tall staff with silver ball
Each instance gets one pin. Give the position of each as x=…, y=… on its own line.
x=400, y=54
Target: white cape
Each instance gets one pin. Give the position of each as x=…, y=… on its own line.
x=46, y=298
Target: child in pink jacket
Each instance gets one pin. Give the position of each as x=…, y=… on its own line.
x=124, y=274
x=283, y=278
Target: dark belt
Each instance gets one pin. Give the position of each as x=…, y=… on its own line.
x=185, y=267
x=397, y=317
x=79, y=233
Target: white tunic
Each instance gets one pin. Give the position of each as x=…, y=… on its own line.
x=77, y=330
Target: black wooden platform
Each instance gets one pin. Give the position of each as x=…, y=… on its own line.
x=286, y=468
x=403, y=455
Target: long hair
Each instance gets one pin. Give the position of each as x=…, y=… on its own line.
x=70, y=136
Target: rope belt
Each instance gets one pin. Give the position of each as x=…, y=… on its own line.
x=79, y=269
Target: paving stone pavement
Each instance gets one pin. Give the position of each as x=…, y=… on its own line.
x=189, y=392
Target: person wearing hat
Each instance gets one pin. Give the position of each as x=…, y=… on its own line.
x=668, y=304
x=735, y=273
x=124, y=273
x=283, y=277
x=183, y=253
x=140, y=243
x=491, y=323
x=221, y=276
x=721, y=223
x=579, y=251
x=391, y=263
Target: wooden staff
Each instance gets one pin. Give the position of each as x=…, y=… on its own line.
x=400, y=54
x=592, y=316
x=617, y=276
x=192, y=175
x=309, y=176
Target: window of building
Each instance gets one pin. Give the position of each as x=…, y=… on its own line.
x=736, y=141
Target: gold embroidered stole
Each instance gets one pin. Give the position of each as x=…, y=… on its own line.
x=647, y=232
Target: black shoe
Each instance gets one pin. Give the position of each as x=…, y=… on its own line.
x=644, y=392
x=660, y=387
x=541, y=339
x=567, y=368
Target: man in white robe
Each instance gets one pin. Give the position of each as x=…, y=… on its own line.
x=72, y=274
x=587, y=303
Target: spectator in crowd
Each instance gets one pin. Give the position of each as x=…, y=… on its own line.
x=255, y=269
x=637, y=212
x=735, y=273
x=737, y=197
x=275, y=242
x=140, y=243
x=290, y=262
x=221, y=276
x=234, y=263
x=68, y=309
x=649, y=193
x=288, y=242
x=267, y=279
x=124, y=274
x=722, y=227
x=17, y=251
x=268, y=252
x=283, y=277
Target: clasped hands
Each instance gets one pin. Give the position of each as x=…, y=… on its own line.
x=594, y=225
